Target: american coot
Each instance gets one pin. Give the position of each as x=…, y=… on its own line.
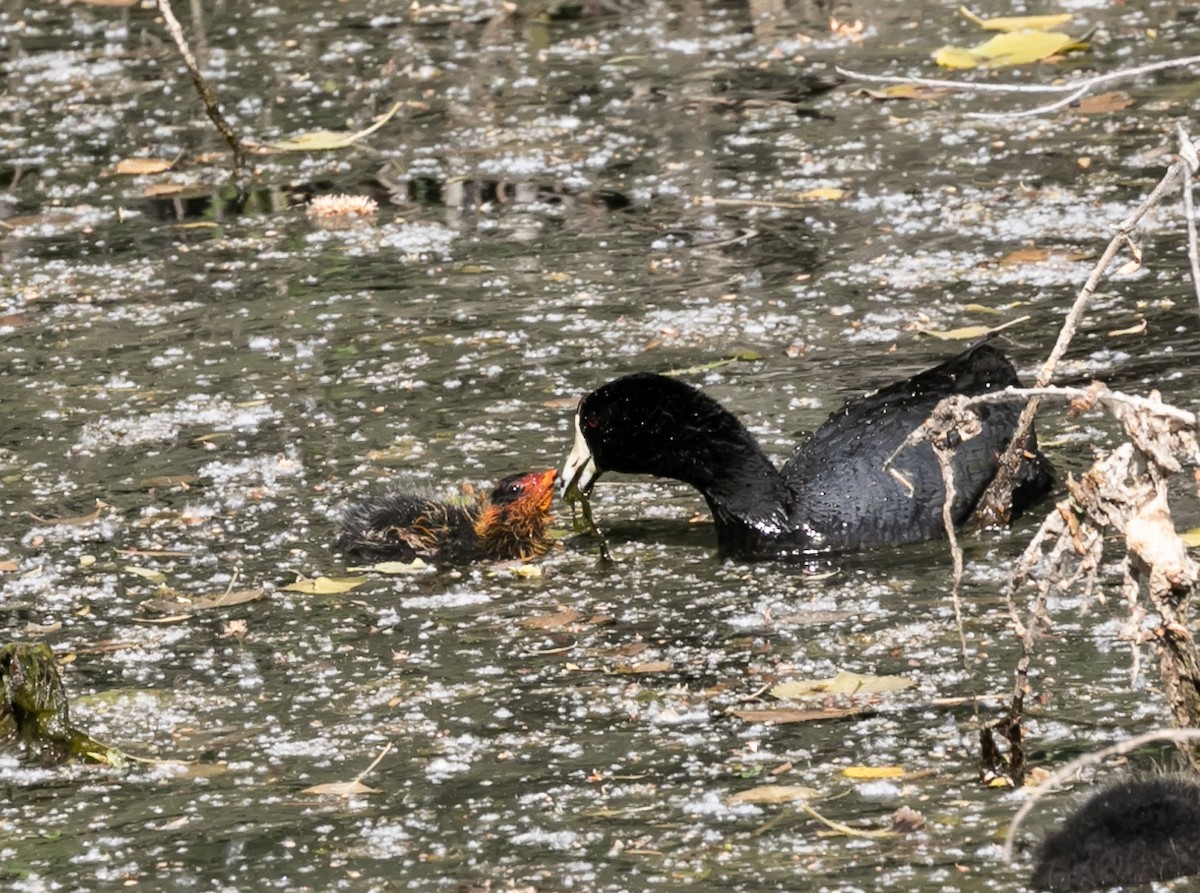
x=834, y=493
x=1134, y=832
x=509, y=522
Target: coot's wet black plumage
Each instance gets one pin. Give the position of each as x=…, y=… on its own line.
x=508, y=522
x=834, y=493
x=1134, y=832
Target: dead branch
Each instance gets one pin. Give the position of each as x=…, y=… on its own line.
x=1074, y=90
x=206, y=94
x=1125, y=491
x=1191, y=165
x=995, y=506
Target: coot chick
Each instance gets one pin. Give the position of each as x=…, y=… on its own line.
x=834, y=493
x=1137, y=831
x=509, y=522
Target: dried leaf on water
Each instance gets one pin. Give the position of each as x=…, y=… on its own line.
x=785, y=715
x=393, y=567
x=178, y=602
x=1135, y=329
x=322, y=140
x=168, y=480
x=158, y=190
x=136, y=166
x=1191, y=538
x=76, y=521
x=341, y=789
x=353, y=787
x=1102, y=103
x=551, y=621
x=1017, y=23
x=1010, y=48
x=646, y=666
x=324, y=585
x=969, y=333
x=773, y=793
x=966, y=333
x=145, y=573
x=906, y=820
x=843, y=683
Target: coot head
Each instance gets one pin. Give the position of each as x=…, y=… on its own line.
x=642, y=424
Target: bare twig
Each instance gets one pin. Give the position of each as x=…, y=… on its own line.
x=944, y=454
x=1037, y=110
x=1191, y=165
x=997, y=500
x=1089, y=759
x=1076, y=89
x=206, y=93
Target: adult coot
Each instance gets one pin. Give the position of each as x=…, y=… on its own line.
x=834, y=493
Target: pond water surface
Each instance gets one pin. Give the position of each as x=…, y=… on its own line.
x=566, y=194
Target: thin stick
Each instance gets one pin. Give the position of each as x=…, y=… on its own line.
x=1037, y=110
x=1191, y=165
x=383, y=753
x=1095, y=394
x=972, y=86
x=1088, y=759
x=206, y=93
x=1010, y=460
x=943, y=456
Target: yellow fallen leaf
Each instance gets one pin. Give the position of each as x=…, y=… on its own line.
x=821, y=194
x=325, y=585
x=1191, y=538
x=867, y=772
x=842, y=684
x=134, y=166
x=321, y=140
x=1017, y=23
x=908, y=91
x=1010, y=48
x=773, y=793
x=955, y=57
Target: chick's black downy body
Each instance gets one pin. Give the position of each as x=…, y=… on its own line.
x=1133, y=832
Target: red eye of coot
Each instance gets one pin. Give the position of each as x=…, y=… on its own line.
x=591, y=423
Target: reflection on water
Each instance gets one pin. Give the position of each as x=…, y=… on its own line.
x=569, y=194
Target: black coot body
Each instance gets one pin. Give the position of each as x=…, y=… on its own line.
x=834, y=494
